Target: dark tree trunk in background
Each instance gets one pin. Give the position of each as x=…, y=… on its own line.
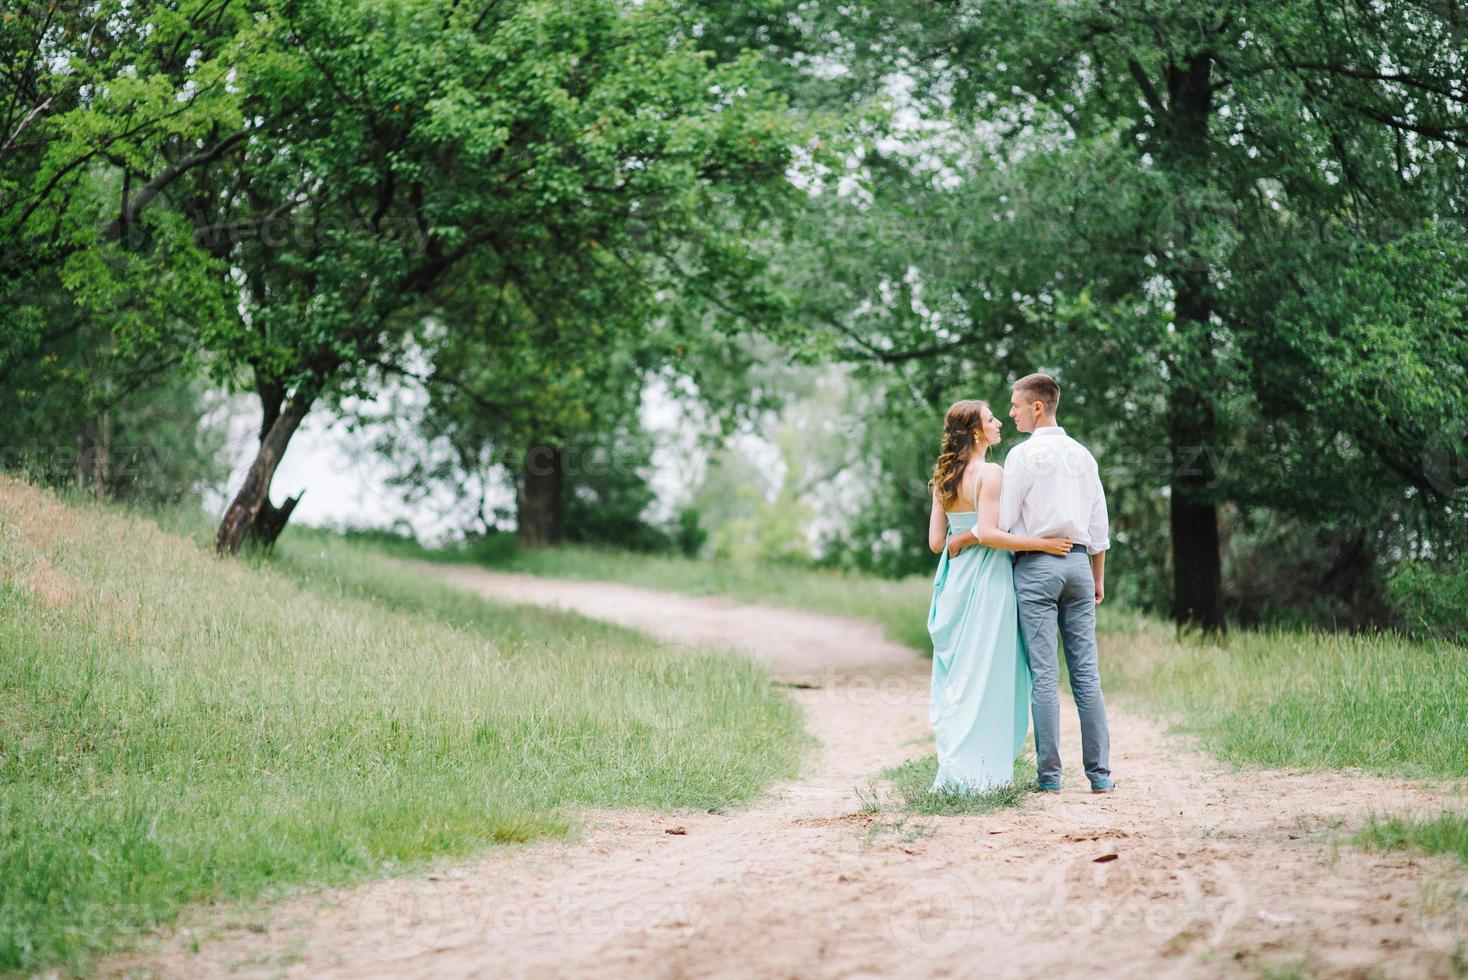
x=251, y=516
x=1197, y=572
x=1352, y=577
x=1197, y=568
x=542, y=496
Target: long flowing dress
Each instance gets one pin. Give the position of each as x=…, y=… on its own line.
x=981, y=674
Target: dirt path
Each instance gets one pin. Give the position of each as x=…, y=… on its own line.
x=1188, y=870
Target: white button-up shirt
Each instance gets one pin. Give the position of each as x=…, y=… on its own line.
x=1052, y=489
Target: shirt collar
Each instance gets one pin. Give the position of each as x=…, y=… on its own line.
x=1049, y=430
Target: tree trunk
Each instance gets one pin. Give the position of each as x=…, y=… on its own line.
x=271, y=521
x=1197, y=573
x=1352, y=578
x=541, y=504
x=1197, y=567
x=251, y=516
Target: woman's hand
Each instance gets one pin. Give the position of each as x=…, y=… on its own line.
x=1056, y=546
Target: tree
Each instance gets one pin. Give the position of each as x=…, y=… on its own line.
x=399, y=142
x=105, y=108
x=1135, y=180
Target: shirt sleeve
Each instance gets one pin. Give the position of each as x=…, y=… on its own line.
x=1099, y=529
x=1011, y=491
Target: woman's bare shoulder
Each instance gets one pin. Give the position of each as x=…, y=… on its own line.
x=990, y=474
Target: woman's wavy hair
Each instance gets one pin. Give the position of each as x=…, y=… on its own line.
x=959, y=423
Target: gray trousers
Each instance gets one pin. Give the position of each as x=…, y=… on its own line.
x=1058, y=595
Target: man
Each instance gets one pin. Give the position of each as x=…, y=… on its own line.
x=1052, y=487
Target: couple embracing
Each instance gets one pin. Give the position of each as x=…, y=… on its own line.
x=994, y=623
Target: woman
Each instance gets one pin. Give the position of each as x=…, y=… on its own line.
x=981, y=679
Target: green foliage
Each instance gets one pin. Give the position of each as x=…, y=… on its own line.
x=688, y=533
x=1230, y=231
x=129, y=428
x=754, y=517
x=628, y=181
x=885, y=532
x=608, y=493
x=511, y=142
x=1431, y=598
x=286, y=185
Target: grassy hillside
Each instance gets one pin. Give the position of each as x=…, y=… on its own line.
x=175, y=728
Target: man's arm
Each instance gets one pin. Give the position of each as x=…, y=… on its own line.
x=986, y=532
x=1099, y=531
x=1098, y=572
x=1012, y=490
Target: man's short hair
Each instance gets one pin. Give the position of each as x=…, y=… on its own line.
x=1039, y=388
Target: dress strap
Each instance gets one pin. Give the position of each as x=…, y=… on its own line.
x=978, y=472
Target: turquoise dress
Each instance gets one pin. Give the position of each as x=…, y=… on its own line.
x=981, y=675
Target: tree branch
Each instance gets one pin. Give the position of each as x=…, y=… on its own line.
x=5, y=150
x=1154, y=101
x=167, y=176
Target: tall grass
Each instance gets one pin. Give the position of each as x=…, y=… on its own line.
x=175, y=728
x=1384, y=704
x=1310, y=699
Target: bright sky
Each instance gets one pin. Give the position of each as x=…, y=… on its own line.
x=344, y=483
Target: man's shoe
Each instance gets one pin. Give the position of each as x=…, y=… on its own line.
x=1049, y=787
x=1103, y=787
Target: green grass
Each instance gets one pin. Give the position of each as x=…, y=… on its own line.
x=913, y=781
x=177, y=729
x=1384, y=704
x=1446, y=833
x=888, y=602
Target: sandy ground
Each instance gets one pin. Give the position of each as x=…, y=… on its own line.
x=1189, y=869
